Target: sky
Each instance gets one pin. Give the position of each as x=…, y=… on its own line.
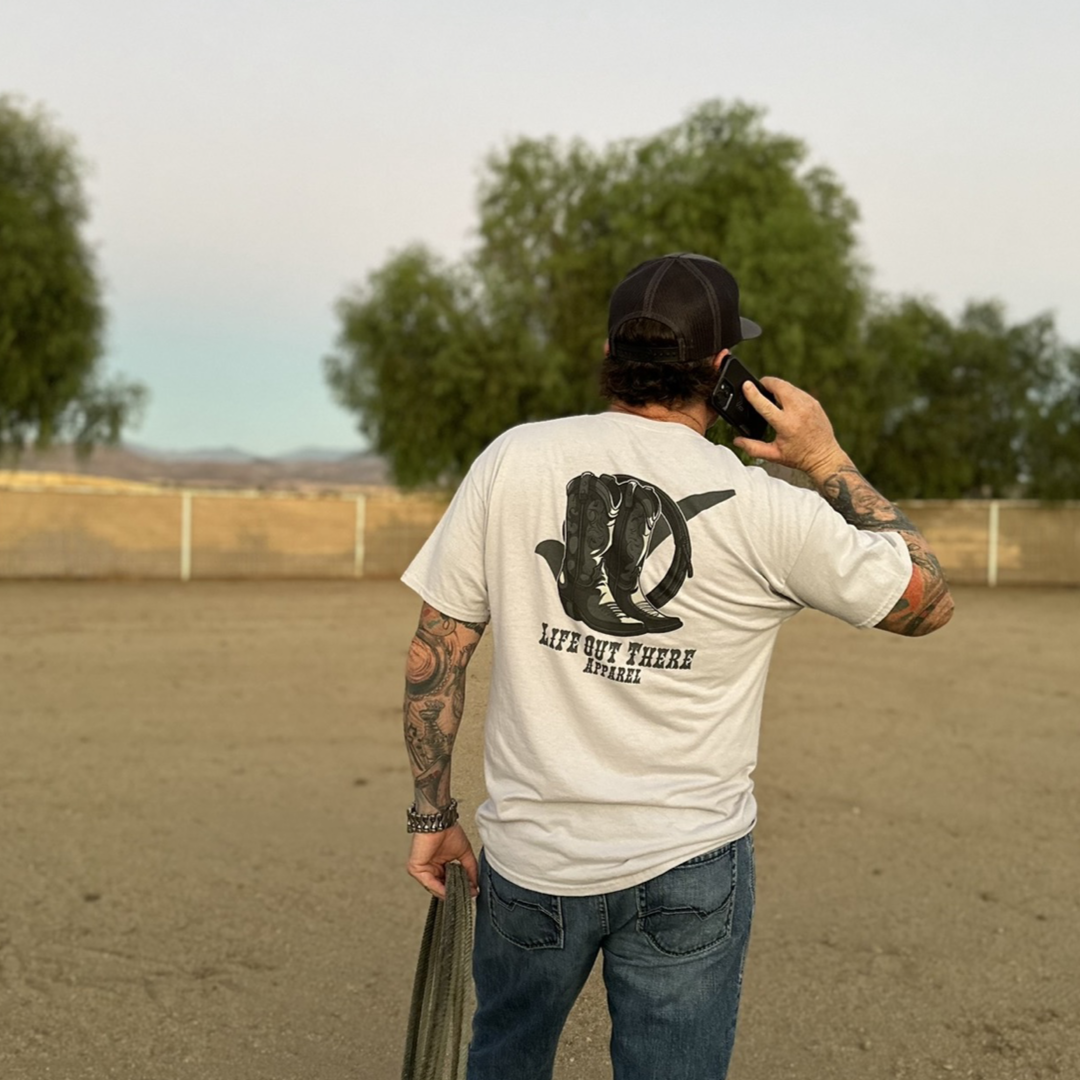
x=252, y=162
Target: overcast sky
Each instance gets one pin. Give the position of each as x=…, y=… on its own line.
x=253, y=160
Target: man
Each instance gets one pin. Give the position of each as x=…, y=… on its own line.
x=636, y=576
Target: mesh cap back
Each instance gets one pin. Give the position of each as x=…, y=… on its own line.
x=695, y=297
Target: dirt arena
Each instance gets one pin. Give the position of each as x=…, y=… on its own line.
x=202, y=791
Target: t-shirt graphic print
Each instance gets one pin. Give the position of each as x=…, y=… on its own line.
x=612, y=525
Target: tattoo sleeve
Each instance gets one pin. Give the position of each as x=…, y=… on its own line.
x=927, y=603
x=434, y=700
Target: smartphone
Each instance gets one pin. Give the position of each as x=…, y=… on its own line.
x=730, y=402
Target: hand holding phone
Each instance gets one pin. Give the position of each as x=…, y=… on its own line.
x=804, y=440
x=730, y=402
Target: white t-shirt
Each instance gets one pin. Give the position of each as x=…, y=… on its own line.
x=620, y=744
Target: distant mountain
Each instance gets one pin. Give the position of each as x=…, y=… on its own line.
x=319, y=453
x=221, y=453
x=226, y=467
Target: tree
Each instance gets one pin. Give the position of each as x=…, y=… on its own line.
x=51, y=315
x=1054, y=444
x=437, y=360
x=975, y=408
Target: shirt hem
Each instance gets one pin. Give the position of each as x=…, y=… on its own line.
x=626, y=881
x=888, y=604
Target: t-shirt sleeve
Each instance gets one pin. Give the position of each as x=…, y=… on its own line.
x=855, y=574
x=448, y=571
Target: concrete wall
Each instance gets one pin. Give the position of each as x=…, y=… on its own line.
x=63, y=533
x=1007, y=542
x=164, y=533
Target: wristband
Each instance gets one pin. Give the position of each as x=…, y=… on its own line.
x=429, y=823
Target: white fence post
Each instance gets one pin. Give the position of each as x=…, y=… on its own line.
x=185, y=536
x=992, y=545
x=361, y=521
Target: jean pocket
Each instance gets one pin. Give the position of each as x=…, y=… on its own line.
x=528, y=919
x=689, y=909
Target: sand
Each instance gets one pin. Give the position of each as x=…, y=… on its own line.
x=201, y=840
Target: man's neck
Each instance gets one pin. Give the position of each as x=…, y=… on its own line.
x=695, y=415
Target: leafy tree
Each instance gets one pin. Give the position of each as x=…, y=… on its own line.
x=51, y=316
x=1056, y=456
x=972, y=408
x=1054, y=445
x=436, y=360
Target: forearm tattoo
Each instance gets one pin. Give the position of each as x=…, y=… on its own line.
x=926, y=604
x=434, y=700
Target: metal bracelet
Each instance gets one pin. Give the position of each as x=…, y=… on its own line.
x=429, y=823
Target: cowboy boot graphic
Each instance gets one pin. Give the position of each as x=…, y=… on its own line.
x=639, y=510
x=588, y=533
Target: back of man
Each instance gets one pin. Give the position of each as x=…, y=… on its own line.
x=636, y=576
x=620, y=742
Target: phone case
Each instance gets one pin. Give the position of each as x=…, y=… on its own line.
x=730, y=402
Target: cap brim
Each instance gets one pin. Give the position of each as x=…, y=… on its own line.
x=750, y=329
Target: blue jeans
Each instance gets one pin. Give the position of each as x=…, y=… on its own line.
x=673, y=947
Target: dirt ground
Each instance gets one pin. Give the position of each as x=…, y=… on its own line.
x=202, y=793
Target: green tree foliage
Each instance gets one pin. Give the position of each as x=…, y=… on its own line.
x=437, y=360
x=51, y=316
x=1055, y=446
x=972, y=408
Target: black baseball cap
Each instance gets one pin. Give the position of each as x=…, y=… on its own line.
x=692, y=295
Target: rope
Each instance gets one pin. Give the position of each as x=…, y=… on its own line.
x=438, y=1036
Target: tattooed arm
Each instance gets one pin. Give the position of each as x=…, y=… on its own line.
x=434, y=700
x=927, y=603
x=805, y=440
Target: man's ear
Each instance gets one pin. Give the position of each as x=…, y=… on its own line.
x=607, y=347
x=719, y=358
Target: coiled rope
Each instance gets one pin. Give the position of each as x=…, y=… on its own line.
x=440, y=1015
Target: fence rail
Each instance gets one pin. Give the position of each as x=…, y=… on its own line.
x=193, y=534
x=1007, y=542
x=185, y=534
